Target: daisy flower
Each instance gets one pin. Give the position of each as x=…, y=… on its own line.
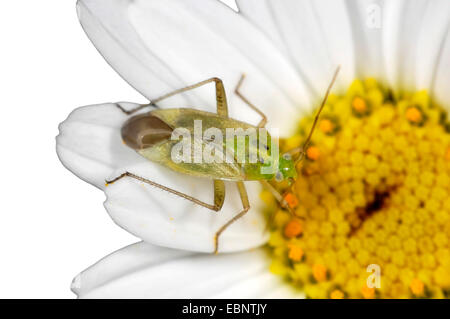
x=372, y=191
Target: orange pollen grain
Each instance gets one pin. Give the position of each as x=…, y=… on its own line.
x=319, y=272
x=359, y=105
x=337, y=294
x=417, y=287
x=293, y=228
x=367, y=292
x=295, y=253
x=313, y=152
x=447, y=154
x=291, y=199
x=326, y=126
x=413, y=114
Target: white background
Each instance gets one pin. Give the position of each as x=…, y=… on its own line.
x=53, y=225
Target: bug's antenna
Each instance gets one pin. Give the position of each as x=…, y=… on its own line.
x=301, y=150
x=316, y=118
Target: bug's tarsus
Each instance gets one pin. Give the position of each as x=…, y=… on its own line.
x=246, y=207
x=112, y=181
x=237, y=91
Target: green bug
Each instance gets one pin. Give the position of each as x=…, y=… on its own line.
x=150, y=134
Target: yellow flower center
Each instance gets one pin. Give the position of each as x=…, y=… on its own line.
x=372, y=200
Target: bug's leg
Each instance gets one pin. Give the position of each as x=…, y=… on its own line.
x=277, y=196
x=246, y=207
x=263, y=121
x=221, y=98
x=138, y=108
x=280, y=200
x=219, y=191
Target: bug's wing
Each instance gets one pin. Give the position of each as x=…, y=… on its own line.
x=213, y=162
x=223, y=166
x=218, y=166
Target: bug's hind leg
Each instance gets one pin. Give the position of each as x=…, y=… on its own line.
x=136, y=109
x=219, y=191
x=246, y=207
x=263, y=121
x=221, y=98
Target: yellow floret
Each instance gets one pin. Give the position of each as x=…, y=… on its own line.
x=319, y=272
x=326, y=126
x=336, y=294
x=313, y=153
x=295, y=253
x=293, y=229
x=414, y=115
x=359, y=105
x=417, y=287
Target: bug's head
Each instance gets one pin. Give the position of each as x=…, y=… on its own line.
x=286, y=168
x=145, y=130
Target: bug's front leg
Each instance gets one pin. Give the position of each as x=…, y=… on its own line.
x=277, y=196
x=281, y=200
x=246, y=207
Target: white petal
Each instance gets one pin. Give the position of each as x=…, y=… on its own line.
x=316, y=35
x=90, y=146
x=430, y=42
x=159, y=46
x=441, y=87
x=366, y=19
x=145, y=271
x=414, y=33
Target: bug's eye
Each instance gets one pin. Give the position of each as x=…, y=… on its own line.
x=145, y=130
x=279, y=176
